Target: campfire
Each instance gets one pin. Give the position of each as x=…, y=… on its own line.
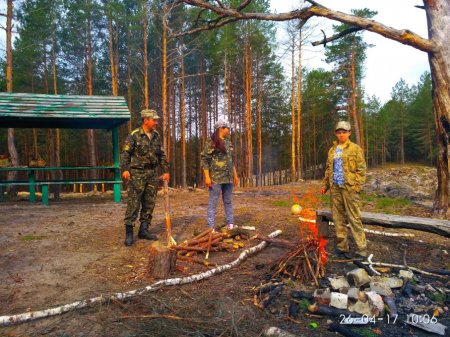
x=306, y=260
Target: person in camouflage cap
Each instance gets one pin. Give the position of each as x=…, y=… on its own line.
x=220, y=172
x=345, y=174
x=142, y=154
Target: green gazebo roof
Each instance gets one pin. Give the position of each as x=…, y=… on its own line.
x=18, y=110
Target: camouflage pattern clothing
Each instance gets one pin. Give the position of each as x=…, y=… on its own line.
x=141, y=156
x=345, y=200
x=220, y=165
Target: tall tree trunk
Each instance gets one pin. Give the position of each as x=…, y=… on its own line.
x=293, y=124
x=299, y=109
x=58, y=174
x=438, y=31
x=44, y=55
x=174, y=132
x=112, y=58
x=203, y=119
x=12, y=175
x=145, y=54
x=182, y=120
x=129, y=75
x=164, y=77
x=259, y=121
x=353, y=96
x=248, y=110
x=90, y=132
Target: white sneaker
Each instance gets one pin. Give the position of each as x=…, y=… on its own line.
x=230, y=226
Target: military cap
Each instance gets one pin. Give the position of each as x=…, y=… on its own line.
x=221, y=123
x=149, y=113
x=343, y=125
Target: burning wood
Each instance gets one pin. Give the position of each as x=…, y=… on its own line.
x=306, y=260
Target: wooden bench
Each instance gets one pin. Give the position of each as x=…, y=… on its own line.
x=32, y=182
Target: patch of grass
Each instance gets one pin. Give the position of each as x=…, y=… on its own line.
x=389, y=203
x=30, y=237
x=282, y=203
x=437, y=297
x=367, y=197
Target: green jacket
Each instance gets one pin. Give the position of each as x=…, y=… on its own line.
x=220, y=165
x=353, y=164
x=141, y=152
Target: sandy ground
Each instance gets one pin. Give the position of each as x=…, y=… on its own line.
x=73, y=250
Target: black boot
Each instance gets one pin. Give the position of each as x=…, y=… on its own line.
x=145, y=234
x=128, y=235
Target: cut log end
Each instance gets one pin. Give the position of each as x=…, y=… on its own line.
x=161, y=260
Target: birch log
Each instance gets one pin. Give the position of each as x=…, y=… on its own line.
x=28, y=316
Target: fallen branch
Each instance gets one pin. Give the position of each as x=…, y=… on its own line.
x=382, y=264
x=279, y=242
x=372, y=231
x=28, y=316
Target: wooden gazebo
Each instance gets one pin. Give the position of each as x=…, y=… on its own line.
x=19, y=110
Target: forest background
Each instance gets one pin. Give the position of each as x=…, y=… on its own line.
x=128, y=48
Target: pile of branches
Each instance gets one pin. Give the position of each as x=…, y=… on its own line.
x=305, y=262
x=210, y=241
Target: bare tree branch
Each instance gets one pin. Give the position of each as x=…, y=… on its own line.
x=336, y=36
x=243, y=5
x=403, y=36
x=203, y=28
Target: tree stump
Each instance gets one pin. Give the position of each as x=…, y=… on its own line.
x=161, y=260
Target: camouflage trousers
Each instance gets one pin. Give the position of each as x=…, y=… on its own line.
x=345, y=206
x=142, y=189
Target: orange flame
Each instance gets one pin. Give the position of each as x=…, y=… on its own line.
x=309, y=202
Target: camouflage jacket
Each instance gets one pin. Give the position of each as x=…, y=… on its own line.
x=353, y=165
x=220, y=165
x=141, y=152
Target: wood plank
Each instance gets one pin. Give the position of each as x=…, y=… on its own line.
x=436, y=226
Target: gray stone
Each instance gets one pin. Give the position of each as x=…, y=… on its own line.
x=361, y=308
x=376, y=303
x=357, y=295
x=391, y=282
x=407, y=274
x=322, y=296
x=339, y=300
x=381, y=288
x=339, y=282
x=358, y=277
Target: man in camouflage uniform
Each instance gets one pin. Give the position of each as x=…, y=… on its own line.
x=142, y=154
x=220, y=172
x=345, y=174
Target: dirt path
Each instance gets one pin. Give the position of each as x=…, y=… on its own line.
x=73, y=249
